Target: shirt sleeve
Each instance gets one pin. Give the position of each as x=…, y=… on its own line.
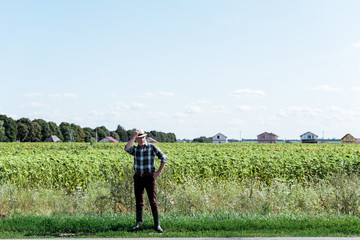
x=130, y=150
x=160, y=154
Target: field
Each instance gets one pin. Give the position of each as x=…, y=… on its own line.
x=72, y=165
x=235, y=179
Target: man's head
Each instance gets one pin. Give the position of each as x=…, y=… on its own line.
x=141, y=137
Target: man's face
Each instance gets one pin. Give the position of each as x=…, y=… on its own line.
x=141, y=140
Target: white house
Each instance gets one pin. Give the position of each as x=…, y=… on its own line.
x=219, y=138
x=309, y=137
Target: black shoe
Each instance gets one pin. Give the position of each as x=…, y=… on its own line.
x=157, y=222
x=137, y=227
x=139, y=221
x=159, y=229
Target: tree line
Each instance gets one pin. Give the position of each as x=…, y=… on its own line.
x=39, y=130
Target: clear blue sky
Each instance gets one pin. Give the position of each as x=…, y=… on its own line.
x=194, y=68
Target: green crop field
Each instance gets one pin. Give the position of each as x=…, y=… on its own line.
x=44, y=183
x=69, y=165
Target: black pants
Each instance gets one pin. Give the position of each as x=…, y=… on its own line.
x=145, y=182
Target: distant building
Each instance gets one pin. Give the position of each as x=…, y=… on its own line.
x=150, y=139
x=53, y=138
x=309, y=137
x=109, y=139
x=219, y=138
x=267, y=138
x=348, y=138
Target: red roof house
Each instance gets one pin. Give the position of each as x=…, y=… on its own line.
x=267, y=138
x=109, y=139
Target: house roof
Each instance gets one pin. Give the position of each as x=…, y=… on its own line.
x=53, y=138
x=307, y=133
x=110, y=139
x=348, y=134
x=152, y=139
x=219, y=134
x=266, y=133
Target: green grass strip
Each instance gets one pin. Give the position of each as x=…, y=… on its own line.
x=211, y=225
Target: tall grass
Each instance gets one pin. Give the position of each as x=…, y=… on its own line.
x=338, y=194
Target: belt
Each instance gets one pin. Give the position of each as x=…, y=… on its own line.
x=145, y=174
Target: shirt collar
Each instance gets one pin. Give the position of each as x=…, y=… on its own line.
x=145, y=145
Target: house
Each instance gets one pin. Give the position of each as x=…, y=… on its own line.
x=309, y=137
x=53, y=138
x=267, y=138
x=150, y=139
x=219, y=138
x=348, y=138
x=109, y=139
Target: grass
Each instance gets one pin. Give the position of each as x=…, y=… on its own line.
x=336, y=195
x=251, y=208
x=203, y=225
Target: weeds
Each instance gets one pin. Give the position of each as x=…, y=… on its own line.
x=338, y=194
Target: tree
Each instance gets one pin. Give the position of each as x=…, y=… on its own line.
x=2, y=130
x=153, y=134
x=45, y=129
x=25, y=128
x=171, y=137
x=77, y=133
x=38, y=130
x=73, y=133
x=55, y=130
x=102, y=132
x=23, y=132
x=203, y=140
x=80, y=133
x=114, y=135
x=65, y=131
x=35, y=132
x=161, y=137
x=130, y=133
x=123, y=136
x=156, y=135
x=10, y=128
x=89, y=134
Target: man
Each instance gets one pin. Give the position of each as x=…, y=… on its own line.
x=145, y=175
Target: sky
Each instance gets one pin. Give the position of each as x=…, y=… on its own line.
x=190, y=67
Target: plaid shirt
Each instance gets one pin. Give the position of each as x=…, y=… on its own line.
x=144, y=158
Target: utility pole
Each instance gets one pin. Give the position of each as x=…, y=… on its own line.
x=71, y=136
